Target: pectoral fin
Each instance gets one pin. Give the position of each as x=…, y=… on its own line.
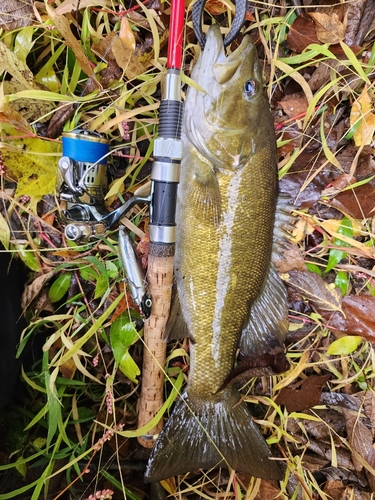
x=205, y=193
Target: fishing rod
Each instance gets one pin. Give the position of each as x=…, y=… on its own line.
x=83, y=183
x=165, y=177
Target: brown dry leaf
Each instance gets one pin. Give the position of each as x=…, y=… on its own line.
x=290, y=259
x=340, y=183
x=67, y=369
x=215, y=7
x=10, y=115
x=360, y=15
x=16, y=14
x=127, y=60
x=362, y=110
x=371, y=460
x=143, y=249
x=67, y=254
x=358, y=202
x=62, y=24
x=334, y=489
x=69, y=5
x=126, y=34
x=62, y=114
x=36, y=286
x=268, y=490
x=358, y=317
x=359, y=436
x=305, y=397
x=315, y=289
x=369, y=407
x=325, y=450
x=329, y=28
x=294, y=105
x=301, y=34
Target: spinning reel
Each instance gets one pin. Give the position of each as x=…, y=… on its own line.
x=82, y=185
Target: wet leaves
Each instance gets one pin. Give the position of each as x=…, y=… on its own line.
x=358, y=317
x=304, y=396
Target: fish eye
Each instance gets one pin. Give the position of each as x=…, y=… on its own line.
x=250, y=89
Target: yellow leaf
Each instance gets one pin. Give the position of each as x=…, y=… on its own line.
x=33, y=161
x=126, y=34
x=362, y=111
x=4, y=232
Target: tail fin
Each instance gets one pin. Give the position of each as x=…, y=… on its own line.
x=205, y=434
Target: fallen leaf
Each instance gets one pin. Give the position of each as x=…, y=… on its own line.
x=360, y=17
x=329, y=28
x=289, y=259
x=357, y=318
x=34, y=163
x=9, y=115
x=63, y=113
x=294, y=105
x=67, y=369
x=36, y=286
x=369, y=407
x=9, y=63
x=69, y=5
x=358, y=202
x=359, y=436
x=215, y=7
x=334, y=489
x=323, y=296
x=31, y=110
x=301, y=34
x=62, y=24
x=362, y=113
x=340, y=183
x=370, y=459
x=126, y=34
x=304, y=397
x=16, y=14
x=143, y=249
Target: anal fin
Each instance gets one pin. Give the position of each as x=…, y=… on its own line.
x=176, y=325
x=267, y=326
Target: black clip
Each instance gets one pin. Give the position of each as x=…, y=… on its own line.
x=238, y=21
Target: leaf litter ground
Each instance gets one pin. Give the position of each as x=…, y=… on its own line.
x=71, y=431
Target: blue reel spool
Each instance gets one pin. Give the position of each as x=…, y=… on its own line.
x=89, y=151
x=84, y=146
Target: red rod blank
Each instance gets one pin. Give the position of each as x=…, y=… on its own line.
x=175, y=42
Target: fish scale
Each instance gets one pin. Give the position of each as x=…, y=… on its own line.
x=225, y=280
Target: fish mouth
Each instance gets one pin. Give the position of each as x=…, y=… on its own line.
x=224, y=66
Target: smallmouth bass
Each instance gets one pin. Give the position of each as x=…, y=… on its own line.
x=228, y=291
